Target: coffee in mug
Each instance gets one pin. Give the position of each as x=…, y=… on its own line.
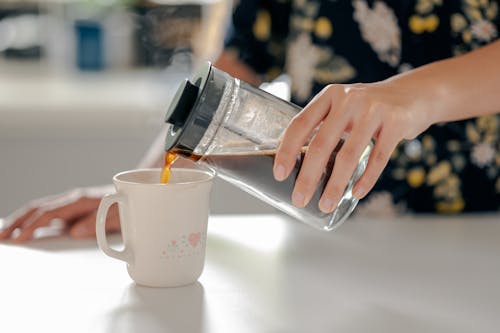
x=164, y=226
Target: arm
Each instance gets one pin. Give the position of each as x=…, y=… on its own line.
x=229, y=62
x=389, y=111
x=463, y=87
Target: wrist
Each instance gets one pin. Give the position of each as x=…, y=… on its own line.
x=430, y=95
x=440, y=100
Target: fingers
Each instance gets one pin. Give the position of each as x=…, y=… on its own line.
x=67, y=213
x=16, y=223
x=364, y=110
x=299, y=130
x=317, y=156
x=85, y=227
x=379, y=158
x=346, y=162
x=22, y=215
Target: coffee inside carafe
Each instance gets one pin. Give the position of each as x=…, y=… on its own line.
x=235, y=129
x=254, y=170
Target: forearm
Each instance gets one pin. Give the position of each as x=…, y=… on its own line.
x=229, y=62
x=458, y=88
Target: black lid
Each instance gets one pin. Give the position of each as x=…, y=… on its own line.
x=186, y=129
x=182, y=108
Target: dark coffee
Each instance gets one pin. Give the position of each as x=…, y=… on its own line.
x=170, y=158
x=253, y=171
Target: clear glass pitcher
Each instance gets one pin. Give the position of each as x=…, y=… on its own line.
x=235, y=129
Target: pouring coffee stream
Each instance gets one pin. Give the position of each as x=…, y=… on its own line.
x=170, y=158
x=234, y=128
x=172, y=155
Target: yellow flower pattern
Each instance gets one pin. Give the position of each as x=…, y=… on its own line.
x=419, y=24
x=262, y=25
x=416, y=177
x=424, y=19
x=323, y=27
x=309, y=63
x=451, y=167
x=474, y=24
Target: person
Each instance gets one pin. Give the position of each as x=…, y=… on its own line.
x=430, y=74
x=405, y=49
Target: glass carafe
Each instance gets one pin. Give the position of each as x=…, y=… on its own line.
x=235, y=129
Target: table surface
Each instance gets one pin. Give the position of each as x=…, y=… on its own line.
x=267, y=273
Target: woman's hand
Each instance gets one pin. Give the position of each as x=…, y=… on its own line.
x=76, y=210
x=387, y=112
x=398, y=108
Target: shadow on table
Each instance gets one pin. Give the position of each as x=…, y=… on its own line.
x=145, y=309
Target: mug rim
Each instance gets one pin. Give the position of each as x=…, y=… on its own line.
x=208, y=172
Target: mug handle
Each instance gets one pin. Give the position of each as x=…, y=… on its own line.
x=102, y=213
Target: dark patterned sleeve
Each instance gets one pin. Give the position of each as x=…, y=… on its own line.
x=257, y=33
x=474, y=24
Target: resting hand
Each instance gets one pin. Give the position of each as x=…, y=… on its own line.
x=76, y=210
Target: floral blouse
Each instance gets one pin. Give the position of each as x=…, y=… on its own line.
x=449, y=168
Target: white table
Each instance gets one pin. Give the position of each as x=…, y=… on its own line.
x=270, y=274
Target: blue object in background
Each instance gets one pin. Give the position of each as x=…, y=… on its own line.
x=89, y=45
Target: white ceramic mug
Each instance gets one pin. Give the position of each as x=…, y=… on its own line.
x=164, y=226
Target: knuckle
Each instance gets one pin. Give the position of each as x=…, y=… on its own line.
x=319, y=145
x=285, y=154
x=380, y=157
x=46, y=216
x=300, y=121
x=357, y=94
x=376, y=110
x=305, y=183
x=332, y=88
x=347, y=156
x=373, y=110
x=368, y=179
x=367, y=115
x=335, y=190
x=363, y=181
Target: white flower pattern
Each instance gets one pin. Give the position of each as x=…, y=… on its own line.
x=483, y=31
x=314, y=50
x=379, y=27
x=482, y=154
x=405, y=67
x=379, y=205
x=303, y=56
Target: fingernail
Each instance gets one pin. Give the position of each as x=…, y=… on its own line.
x=326, y=205
x=298, y=199
x=279, y=173
x=358, y=192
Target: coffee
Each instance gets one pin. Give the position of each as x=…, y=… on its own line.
x=253, y=171
x=164, y=236
x=170, y=158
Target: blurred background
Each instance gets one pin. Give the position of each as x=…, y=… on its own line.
x=84, y=85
